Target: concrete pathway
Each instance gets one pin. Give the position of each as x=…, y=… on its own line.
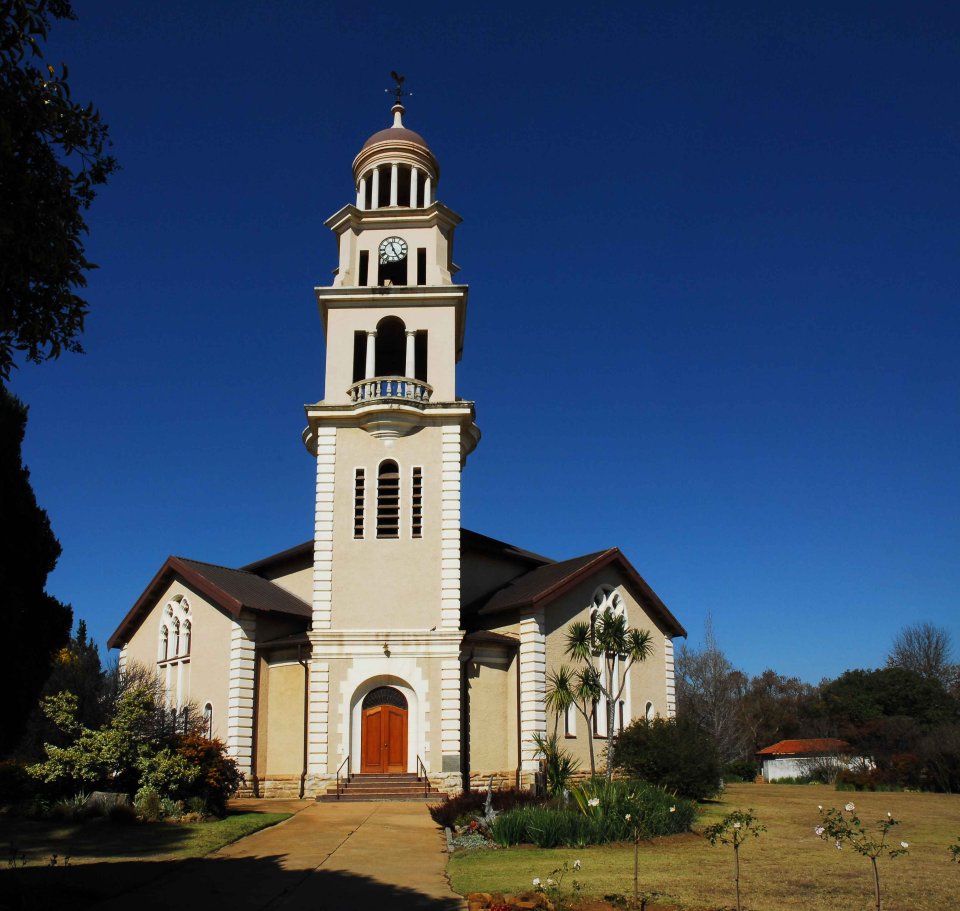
x=328, y=856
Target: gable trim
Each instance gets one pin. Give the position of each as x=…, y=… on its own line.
x=172, y=568
x=639, y=588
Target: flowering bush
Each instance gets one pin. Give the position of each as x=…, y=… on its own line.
x=552, y=886
x=848, y=829
x=734, y=829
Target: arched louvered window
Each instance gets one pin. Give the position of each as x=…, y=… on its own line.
x=186, y=638
x=164, y=643
x=388, y=500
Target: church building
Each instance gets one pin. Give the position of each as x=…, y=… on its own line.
x=395, y=641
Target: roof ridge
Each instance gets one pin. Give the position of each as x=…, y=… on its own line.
x=232, y=569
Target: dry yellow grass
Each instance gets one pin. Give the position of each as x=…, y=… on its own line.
x=787, y=869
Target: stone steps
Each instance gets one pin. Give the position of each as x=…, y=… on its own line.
x=378, y=786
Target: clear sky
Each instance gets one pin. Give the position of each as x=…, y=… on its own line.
x=712, y=252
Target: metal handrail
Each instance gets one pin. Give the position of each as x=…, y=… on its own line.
x=426, y=781
x=346, y=762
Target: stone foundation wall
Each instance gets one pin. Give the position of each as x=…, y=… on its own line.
x=503, y=778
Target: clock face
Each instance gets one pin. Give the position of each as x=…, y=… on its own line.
x=392, y=250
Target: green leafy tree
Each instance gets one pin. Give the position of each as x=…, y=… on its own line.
x=76, y=669
x=52, y=159
x=674, y=753
x=36, y=622
x=619, y=647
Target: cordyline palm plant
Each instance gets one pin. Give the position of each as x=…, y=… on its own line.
x=582, y=690
x=619, y=647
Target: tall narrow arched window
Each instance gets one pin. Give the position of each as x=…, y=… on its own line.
x=388, y=500
x=164, y=643
x=186, y=638
x=176, y=637
x=208, y=721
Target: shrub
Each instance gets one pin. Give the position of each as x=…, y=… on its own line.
x=471, y=803
x=122, y=814
x=741, y=770
x=218, y=777
x=16, y=785
x=559, y=763
x=600, y=816
x=674, y=753
x=148, y=805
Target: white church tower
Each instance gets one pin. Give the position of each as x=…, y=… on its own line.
x=390, y=438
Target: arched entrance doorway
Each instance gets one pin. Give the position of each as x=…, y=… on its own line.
x=383, y=731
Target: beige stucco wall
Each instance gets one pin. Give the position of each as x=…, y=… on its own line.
x=647, y=680
x=437, y=320
x=297, y=581
x=209, y=672
x=281, y=702
x=493, y=715
x=412, y=599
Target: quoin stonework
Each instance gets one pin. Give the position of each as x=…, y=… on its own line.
x=394, y=641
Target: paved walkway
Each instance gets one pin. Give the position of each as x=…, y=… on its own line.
x=328, y=856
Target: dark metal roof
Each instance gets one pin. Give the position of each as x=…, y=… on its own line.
x=291, y=554
x=470, y=541
x=541, y=585
x=478, y=543
x=231, y=590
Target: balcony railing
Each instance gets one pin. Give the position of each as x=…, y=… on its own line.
x=401, y=388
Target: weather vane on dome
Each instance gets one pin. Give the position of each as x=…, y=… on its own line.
x=398, y=91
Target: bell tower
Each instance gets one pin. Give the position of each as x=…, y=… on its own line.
x=390, y=438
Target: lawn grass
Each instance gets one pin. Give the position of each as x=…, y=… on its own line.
x=787, y=869
x=33, y=841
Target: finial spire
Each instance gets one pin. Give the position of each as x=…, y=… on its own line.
x=398, y=92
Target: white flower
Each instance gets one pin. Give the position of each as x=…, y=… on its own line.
x=576, y=865
x=819, y=830
x=593, y=802
x=904, y=844
x=820, y=807
x=839, y=846
x=736, y=825
x=889, y=815
x=627, y=817
x=536, y=881
x=673, y=809
x=849, y=807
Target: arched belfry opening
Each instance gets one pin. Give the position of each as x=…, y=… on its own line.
x=391, y=347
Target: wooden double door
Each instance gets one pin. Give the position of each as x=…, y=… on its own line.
x=383, y=732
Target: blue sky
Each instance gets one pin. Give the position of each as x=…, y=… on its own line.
x=712, y=251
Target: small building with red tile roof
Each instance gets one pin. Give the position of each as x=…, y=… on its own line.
x=799, y=758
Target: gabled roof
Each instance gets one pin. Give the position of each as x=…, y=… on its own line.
x=816, y=745
x=470, y=542
x=290, y=555
x=231, y=590
x=542, y=585
x=473, y=541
